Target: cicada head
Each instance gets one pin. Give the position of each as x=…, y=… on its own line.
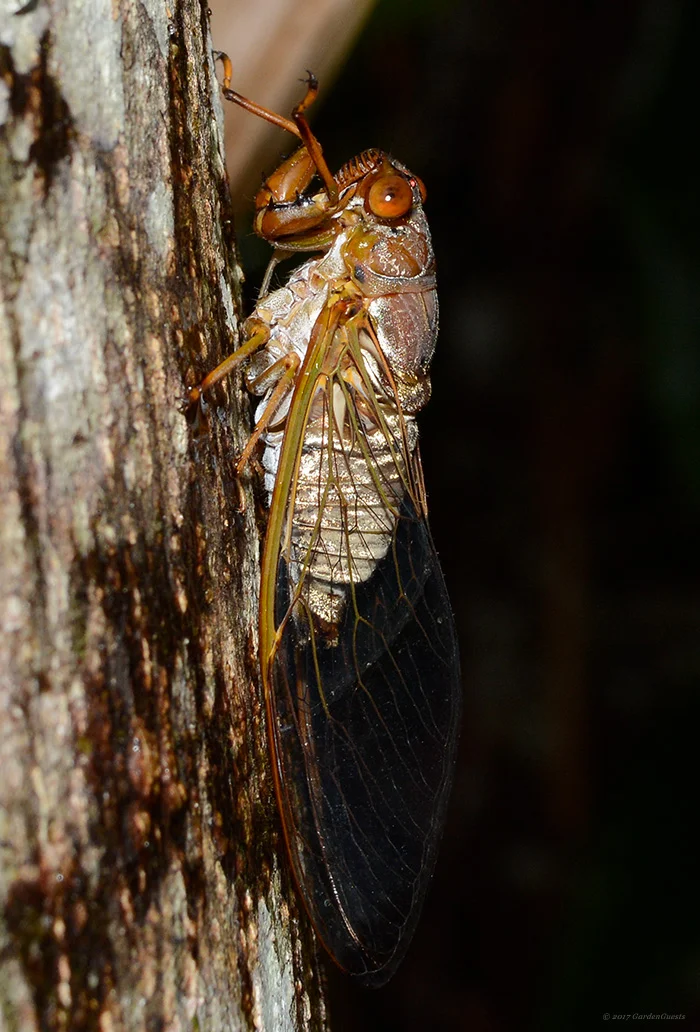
x=387, y=247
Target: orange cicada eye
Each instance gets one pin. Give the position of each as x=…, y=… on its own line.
x=389, y=197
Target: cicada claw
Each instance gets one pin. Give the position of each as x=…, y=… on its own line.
x=195, y=412
x=311, y=83
x=219, y=55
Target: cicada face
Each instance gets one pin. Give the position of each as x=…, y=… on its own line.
x=358, y=651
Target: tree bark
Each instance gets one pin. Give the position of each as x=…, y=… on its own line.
x=140, y=879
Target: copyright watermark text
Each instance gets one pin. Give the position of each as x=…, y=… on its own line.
x=644, y=1016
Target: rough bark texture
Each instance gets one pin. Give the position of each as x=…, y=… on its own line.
x=140, y=885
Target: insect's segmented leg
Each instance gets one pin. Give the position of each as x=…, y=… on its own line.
x=258, y=340
x=271, y=266
x=250, y=105
x=288, y=366
x=298, y=127
x=311, y=143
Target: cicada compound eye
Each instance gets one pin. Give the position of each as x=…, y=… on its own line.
x=389, y=197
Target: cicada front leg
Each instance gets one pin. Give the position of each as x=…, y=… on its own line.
x=283, y=215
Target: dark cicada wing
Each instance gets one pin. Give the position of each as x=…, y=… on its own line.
x=363, y=685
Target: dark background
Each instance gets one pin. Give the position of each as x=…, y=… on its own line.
x=562, y=457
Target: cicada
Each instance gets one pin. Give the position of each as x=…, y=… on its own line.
x=358, y=652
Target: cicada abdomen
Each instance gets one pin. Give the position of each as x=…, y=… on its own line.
x=358, y=650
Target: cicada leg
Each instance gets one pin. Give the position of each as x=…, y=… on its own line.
x=298, y=126
x=250, y=105
x=281, y=216
x=267, y=280
x=311, y=143
x=284, y=370
x=257, y=340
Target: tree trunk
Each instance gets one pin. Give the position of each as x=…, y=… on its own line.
x=140, y=882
